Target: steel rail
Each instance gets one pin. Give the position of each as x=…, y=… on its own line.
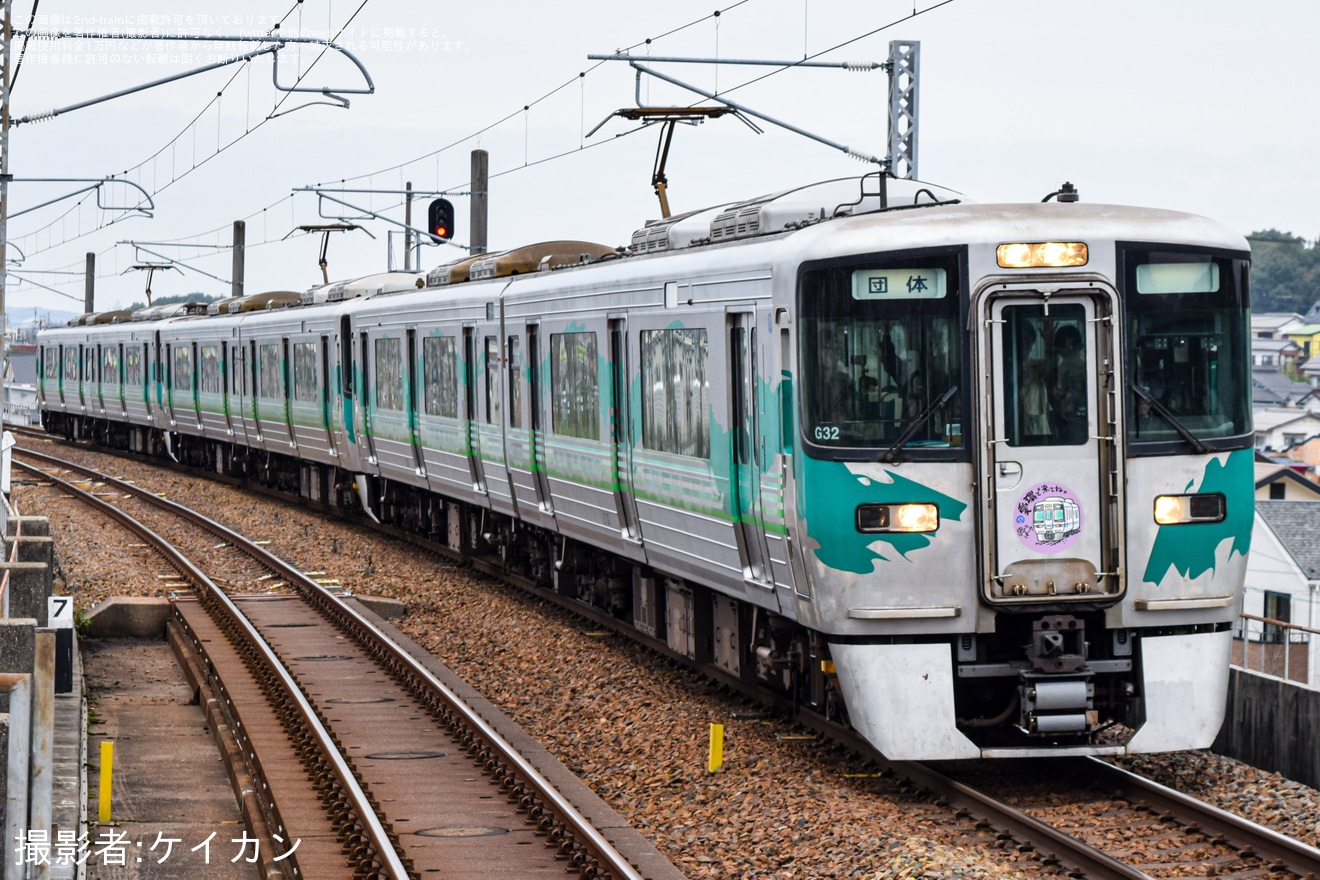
x=1053, y=844
x=1280, y=851
x=579, y=826
x=392, y=865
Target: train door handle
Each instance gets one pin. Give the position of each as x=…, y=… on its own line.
x=1010, y=469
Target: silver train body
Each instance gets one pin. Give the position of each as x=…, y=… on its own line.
x=974, y=479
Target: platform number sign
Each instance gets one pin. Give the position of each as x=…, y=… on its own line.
x=59, y=611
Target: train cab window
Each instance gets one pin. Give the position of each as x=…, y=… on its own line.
x=133, y=366
x=440, y=376
x=574, y=385
x=51, y=362
x=879, y=351
x=304, y=372
x=182, y=368
x=389, y=374
x=515, y=382
x=1188, y=347
x=269, y=386
x=110, y=365
x=675, y=392
x=492, y=368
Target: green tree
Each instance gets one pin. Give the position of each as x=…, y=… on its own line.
x=1285, y=272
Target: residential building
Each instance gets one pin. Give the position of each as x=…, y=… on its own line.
x=1275, y=354
x=1270, y=388
x=1307, y=337
x=1281, y=482
x=1283, y=573
x=1279, y=428
x=1272, y=325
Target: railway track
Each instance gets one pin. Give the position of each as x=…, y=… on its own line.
x=370, y=759
x=1078, y=844
x=1142, y=828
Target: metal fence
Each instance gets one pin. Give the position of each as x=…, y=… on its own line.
x=1273, y=647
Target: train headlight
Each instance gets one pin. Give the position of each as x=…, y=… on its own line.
x=1041, y=254
x=898, y=518
x=1172, y=510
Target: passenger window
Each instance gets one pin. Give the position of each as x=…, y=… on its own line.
x=389, y=375
x=574, y=385
x=440, y=376
x=675, y=392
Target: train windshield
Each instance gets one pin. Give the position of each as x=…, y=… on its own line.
x=879, y=349
x=1188, y=348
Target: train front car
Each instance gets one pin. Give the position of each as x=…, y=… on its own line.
x=1025, y=487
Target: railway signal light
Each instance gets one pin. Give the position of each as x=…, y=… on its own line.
x=441, y=217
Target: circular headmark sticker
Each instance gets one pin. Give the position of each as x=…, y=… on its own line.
x=1048, y=517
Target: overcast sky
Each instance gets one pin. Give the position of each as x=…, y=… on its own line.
x=1204, y=106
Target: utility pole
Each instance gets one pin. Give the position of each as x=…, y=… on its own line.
x=480, y=195
x=407, y=232
x=4, y=186
x=236, y=276
x=89, y=285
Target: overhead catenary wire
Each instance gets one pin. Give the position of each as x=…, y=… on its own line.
x=171, y=144
x=528, y=162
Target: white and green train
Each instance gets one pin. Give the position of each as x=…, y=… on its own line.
x=975, y=479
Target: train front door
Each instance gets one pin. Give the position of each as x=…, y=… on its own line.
x=1050, y=457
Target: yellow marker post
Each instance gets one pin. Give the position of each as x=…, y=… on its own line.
x=107, y=774
x=716, y=759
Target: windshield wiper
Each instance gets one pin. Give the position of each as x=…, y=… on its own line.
x=915, y=424
x=1163, y=412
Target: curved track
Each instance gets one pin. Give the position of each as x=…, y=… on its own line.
x=377, y=804
x=1068, y=844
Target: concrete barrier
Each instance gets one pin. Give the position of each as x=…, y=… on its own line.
x=1270, y=724
x=128, y=617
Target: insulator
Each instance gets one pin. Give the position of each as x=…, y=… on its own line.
x=39, y=117
x=860, y=157
x=860, y=66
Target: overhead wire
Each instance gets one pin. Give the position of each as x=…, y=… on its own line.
x=525, y=109
x=171, y=143
x=554, y=91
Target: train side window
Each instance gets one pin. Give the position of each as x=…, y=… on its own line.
x=304, y=371
x=133, y=366
x=492, y=365
x=515, y=382
x=51, y=363
x=110, y=364
x=71, y=364
x=574, y=385
x=268, y=373
x=182, y=368
x=440, y=376
x=209, y=381
x=389, y=374
x=236, y=370
x=675, y=392
x=89, y=372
